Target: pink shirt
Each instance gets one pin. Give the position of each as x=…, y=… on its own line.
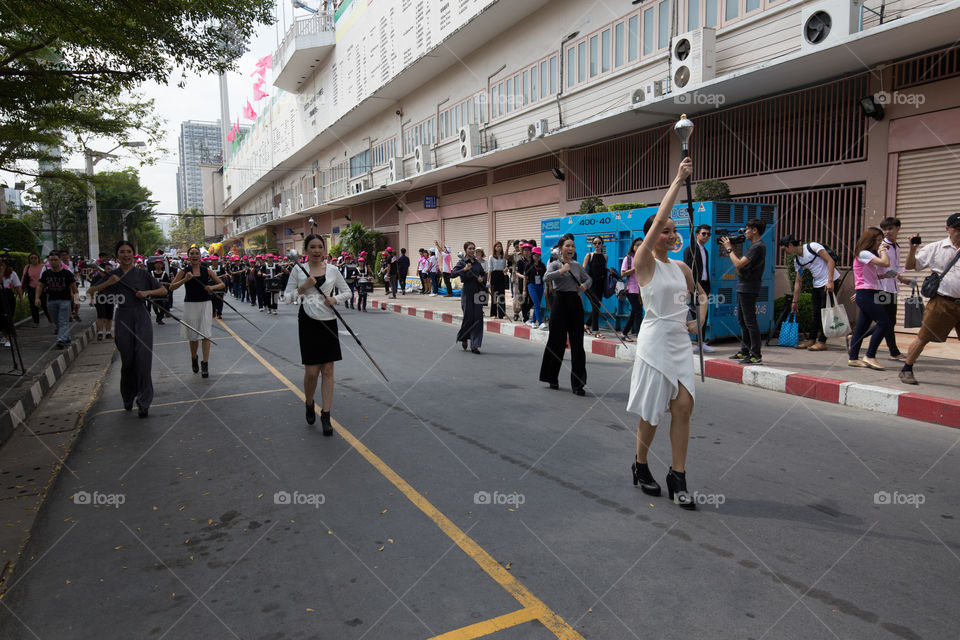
x=633, y=286
x=865, y=273
x=32, y=274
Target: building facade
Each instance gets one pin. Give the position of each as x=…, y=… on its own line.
x=199, y=142
x=499, y=114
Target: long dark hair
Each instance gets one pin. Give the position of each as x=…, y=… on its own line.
x=495, y=245
x=867, y=239
x=116, y=247
x=310, y=238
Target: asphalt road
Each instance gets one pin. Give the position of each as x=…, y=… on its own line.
x=479, y=497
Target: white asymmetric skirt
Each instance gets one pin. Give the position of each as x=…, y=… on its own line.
x=198, y=315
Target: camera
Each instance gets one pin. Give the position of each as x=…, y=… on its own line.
x=736, y=237
x=915, y=240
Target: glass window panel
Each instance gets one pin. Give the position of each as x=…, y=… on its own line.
x=516, y=91
x=710, y=19
x=594, y=55
x=571, y=66
x=752, y=5
x=648, y=41
x=494, y=100
x=509, y=96
x=663, y=15
x=526, y=87
x=731, y=9
x=581, y=62
x=633, y=38
x=533, y=84
x=605, y=51
x=618, y=44
x=543, y=79
x=693, y=14
x=470, y=112
x=553, y=75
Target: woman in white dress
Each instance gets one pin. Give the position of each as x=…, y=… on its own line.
x=662, y=378
x=197, y=307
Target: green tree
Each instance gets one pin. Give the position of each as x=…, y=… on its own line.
x=591, y=205
x=71, y=67
x=187, y=229
x=357, y=238
x=715, y=190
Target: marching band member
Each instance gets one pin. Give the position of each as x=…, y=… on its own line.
x=319, y=335
x=199, y=282
x=270, y=276
x=164, y=279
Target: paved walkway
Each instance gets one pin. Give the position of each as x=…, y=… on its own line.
x=823, y=374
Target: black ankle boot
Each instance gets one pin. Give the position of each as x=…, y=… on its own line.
x=643, y=477
x=204, y=371
x=311, y=413
x=677, y=490
x=195, y=365
x=325, y=422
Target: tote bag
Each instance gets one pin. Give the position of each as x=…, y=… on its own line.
x=789, y=330
x=913, y=310
x=834, y=318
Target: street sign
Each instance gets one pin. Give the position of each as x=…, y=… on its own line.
x=429, y=202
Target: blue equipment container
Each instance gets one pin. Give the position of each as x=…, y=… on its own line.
x=619, y=228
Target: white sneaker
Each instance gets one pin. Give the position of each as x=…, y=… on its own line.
x=543, y=325
x=708, y=349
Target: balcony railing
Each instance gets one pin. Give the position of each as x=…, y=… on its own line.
x=318, y=23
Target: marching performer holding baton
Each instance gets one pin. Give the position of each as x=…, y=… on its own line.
x=317, y=324
x=134, y=331
x=197, y=306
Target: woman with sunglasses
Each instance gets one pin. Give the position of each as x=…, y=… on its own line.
x=595, y=263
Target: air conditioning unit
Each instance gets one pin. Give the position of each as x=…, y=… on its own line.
x=395, y=170
x=638, y=96
x=359, y=186
x=421, y=158
x=661, y=87
x=538, y=129
x=469, y=141
x=825, y=23
x=693, y=57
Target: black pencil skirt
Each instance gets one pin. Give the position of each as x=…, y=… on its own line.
x=319, y=340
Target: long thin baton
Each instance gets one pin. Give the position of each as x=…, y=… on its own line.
x=165, y=311
x=345, y=325
x=683, y=129
x=223, y=299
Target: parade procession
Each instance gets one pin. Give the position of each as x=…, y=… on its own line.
x=360, y=319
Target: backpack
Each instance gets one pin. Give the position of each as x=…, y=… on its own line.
x=830, y=252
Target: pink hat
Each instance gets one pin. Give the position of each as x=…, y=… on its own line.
x=536, y=250
x=526, y=245
x=361, y=260
x=389, y=248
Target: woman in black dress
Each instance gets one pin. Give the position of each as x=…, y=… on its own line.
x=317, y=324
x=595, y=263
x=473, y=281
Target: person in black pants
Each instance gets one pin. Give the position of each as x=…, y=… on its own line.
x=595, y=263
x=521, y=268
x=749, y=276
x=160, y=306
x=403, y=268
x=497, y=265
x=568, y=279
x=699, y=264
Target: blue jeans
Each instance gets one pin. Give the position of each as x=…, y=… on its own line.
x=536, y=294
x=870, y=311
x=60, y=311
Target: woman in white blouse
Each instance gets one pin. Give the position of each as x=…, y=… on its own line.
x=496, y=267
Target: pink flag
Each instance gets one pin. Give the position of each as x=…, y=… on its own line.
x=248, y=112
x=264, y=63
x=258, y=93
x=231, y=136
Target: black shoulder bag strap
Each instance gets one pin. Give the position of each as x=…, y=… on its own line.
x=931, y=284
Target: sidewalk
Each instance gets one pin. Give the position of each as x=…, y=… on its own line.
x=45, y=364
x=822, y=375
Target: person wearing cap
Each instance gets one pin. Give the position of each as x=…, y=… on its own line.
x=473, y=297
x=160, y=304
x=523, y=261
x=350, y=272
x=389, y=271
x=445, y=268
x=216, y=299
x=813, y=257
x=433, y=271
x=364, y=275
x=270, y=272
x=942, y=313
x=422, y=262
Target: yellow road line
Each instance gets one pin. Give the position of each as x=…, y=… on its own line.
x=494, y=569
x=160, y=344
x=167, y=404
x=487, y=627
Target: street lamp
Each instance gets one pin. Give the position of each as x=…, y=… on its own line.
x=125, y=212
x=93, y=157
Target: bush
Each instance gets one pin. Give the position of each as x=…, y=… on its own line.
x=625, y=206
x=712, y=190
x=590, y=205
x=15, y=235
x=803, y=312
x=335, y=251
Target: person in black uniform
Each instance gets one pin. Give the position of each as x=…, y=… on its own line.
x=251, y=277
x=260, y=284
x=350, y=273
x=473, y=281
x=133, y=331
x=270, y=276
x=595, y=263
x=403, y=268
x=160, y=307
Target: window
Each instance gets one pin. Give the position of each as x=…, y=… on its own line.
x=508, y=97
x=648, y=31
x=543, y=79
x=516, y=91
x=693, y=14
x=526, y=87
x=663, y=39
x=618, y=46
x=711, y=14
x=594, y=56
x=731, y=9
x=533, y=84
x=582, y=61
x=553, y=75
x=360, y=164
x=605, y=51
x=495, y=101
x=571, y=66
x=633, y=39
x=752, y=5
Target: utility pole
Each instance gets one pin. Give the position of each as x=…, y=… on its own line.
x=92, y=158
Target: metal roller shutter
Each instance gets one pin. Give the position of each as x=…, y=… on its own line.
x=475, y=229
x=928, y=190
x=516, y=224
x=421, y=235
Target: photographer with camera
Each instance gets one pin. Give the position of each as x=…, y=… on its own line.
x=816, y=259
x=749, y=275
x=943, y=311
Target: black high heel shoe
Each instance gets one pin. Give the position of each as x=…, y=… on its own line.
x=325, y=422
x=677, y=490
x=204, y=371
x=643, y=477
x=311, y=413
x=195, y=365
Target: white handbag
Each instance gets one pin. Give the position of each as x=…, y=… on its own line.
x=834, y=318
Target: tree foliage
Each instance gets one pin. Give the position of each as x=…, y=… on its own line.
x=187, y=229
x=70, y=68
x=15, y=235
x=711, y=190
x=357, y=238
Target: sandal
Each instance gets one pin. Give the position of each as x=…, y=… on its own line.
x=599, y=336
x=628, y=339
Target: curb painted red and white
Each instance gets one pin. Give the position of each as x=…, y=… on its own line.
x=905, y=404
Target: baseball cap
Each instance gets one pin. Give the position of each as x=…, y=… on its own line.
x=389, y=248
x=526, y=245
x=954, y=220
x=536, y=250
x=788, y=240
